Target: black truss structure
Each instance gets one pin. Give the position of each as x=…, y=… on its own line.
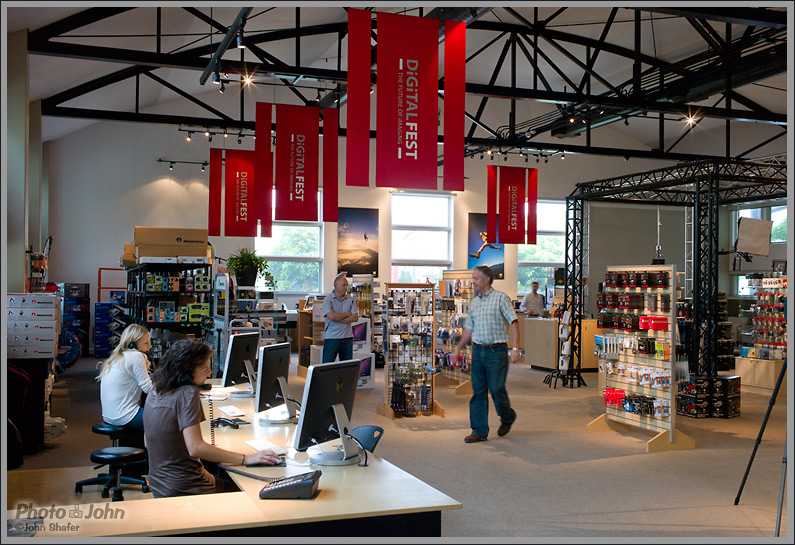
x=655, y=87
x=702, y=185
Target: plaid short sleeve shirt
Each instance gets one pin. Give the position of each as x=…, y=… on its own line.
x=489, y=317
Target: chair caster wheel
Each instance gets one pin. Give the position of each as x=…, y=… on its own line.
x=78, y=489
x=104, y=493
x=117, y=495
x=145, y=489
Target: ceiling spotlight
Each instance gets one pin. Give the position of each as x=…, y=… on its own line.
x=583, y=122
x=537, y=159
x=240, y=44
x=206, y=133
x=571, y=119
x=563, y=156
x=317, y=99
x=210, y=138
x=690, y=120
x=489, y=152
x=216, y=75
x=239, y=139
x=204, y=165
x=225, y=133
x=254, y=136
x=226, y=75
x=491, y=156
x=171, y=165
x=546, y=159
x=526, y=158
x=247, y=80
x=505, y=157
x=481, y=156
x=601, y=112
x=188, y=138
x=371, y=89
x=626, y=121
x=222, y=89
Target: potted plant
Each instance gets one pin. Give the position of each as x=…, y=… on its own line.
x=245, y=265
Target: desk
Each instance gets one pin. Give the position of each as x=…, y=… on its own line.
x=378, y=500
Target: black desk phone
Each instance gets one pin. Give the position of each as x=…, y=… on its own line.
x=294, y=487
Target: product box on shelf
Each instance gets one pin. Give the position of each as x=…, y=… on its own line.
x=726, y=407
x=32, y=300
x=692, y=406
x=695, y=386
x=150, y=259
x=170, y=236
x=727, y=386
x=196, y=311
x=66, y=289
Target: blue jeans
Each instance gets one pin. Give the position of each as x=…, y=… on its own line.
x=337, y=347
x=488, y=372
x=137, y=423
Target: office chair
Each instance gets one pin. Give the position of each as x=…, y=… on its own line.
x=116, y=458
x=368, y=436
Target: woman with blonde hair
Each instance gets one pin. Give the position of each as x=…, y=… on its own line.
x=123, y=377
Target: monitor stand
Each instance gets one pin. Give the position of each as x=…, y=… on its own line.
x=252, y=379
x=347, y=454
x=286, y=413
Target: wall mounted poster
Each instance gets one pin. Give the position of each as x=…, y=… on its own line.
x=357, y=241
x=482, y=251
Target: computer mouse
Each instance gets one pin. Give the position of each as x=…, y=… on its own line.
x=282, y=463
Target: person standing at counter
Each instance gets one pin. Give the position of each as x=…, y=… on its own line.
x=490, y=325
x=340, y=311
x=533, y=302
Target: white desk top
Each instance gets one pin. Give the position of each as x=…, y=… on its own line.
x=344, y=492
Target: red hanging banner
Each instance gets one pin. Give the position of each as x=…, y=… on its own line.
x=216, y=187
x=491, y=203
x=407, y=109
x=239, y=193
x=532, y=202
x=262, y=207
x=330, y=158
x=454, y=85
x=297, y=136
x=511, y=197
x=357, y=136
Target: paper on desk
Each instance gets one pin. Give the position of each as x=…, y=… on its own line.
x=218, y=390
x=231, y=410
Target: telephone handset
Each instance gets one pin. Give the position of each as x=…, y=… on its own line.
x=294, y=487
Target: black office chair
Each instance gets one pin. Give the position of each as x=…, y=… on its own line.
x=116, y=458
x=368, y=436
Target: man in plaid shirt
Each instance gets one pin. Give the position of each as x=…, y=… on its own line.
x=490, y=325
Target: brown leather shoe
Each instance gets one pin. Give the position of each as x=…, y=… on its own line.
x=472, y=438
x=503, y=430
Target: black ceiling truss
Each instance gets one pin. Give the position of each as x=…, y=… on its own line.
x=702, y=185
x=667, y=89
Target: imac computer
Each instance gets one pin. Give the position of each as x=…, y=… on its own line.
x=272, y=403
x=241, y=357
x=367, y=366
x=326, y=410
x=361, y=335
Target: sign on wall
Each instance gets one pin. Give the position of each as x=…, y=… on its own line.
x=357, y=241
x=482, y=249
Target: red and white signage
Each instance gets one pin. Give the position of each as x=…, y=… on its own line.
x=330, y=160
x=357, y=136
x=406, y=120
x=263, y=168
x=511, y=188
x=239, y=194
x=297, y=138
x=216, y=192
x=454, y=89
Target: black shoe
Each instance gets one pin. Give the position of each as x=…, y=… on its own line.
x=472, y=438
x=504, y=429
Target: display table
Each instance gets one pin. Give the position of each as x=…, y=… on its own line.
x=377, y=500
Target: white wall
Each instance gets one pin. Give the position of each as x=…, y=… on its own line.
x=105, y=180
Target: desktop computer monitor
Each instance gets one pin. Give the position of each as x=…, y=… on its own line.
x=326, y=410
x=361, y=330
x=272, y=402
x=366, y=367
x=241, y=357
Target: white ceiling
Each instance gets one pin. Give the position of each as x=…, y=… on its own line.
x=663, y=36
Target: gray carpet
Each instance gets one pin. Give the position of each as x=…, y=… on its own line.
x=548, y=478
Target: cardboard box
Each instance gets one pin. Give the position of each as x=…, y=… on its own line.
x=128, y=260
x=170, y=250
x=172, y=236
x=692, y=406
x=727, y=407
x=129, y=248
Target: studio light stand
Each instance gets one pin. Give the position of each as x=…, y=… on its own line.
x=756, y=446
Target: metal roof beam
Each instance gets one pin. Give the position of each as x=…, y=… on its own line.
x=737, y=15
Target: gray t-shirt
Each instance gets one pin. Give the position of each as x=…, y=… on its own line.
x=338, y=330
x=172, y=471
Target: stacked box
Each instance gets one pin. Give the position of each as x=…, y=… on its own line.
x=692, y=406
x=696, y=386
x=76, y=310
x=31, y=328
x=110, y=319
x=725, y=407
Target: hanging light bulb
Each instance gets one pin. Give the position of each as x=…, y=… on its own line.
x=206, y=133
x=188, y=138
x=210, y=138
x=203, y=166
x=171, y=165
x=225, y=134
x=240, y=44
x=222, y=89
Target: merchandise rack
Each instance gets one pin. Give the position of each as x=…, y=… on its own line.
x=409, y=372
x=453, y=304
x=666, y=438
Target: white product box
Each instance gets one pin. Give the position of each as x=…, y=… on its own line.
x=32, y=314
x=152, y=259
x=30, y=339
x=24, y=352
x=32, y=300
x=192, y=259
x=26, y=326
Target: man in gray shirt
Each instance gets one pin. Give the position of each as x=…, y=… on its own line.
x=340, y=311
x=533, y=302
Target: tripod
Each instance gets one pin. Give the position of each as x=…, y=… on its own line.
x=756, y=445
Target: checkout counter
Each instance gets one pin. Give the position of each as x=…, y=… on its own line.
x=539, y=337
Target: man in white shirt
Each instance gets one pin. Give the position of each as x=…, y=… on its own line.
x=533, y=302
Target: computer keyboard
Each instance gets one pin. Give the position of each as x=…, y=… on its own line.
x=264, y=444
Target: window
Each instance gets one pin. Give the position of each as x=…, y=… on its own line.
x=537, y=262
x=294, y=253
x=421, y=237
x=779, y=216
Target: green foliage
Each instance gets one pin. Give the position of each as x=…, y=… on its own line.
x=527, y=275
x=548, y=248
x=302, y=276
x=779, y=232
x=404, y=276
x=244, y=258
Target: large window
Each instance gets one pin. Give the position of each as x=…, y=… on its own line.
x=776, y=213
x=294, y=254
x=537, y=262
x=421, y=236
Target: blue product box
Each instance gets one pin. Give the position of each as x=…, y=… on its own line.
x=75, y=300
x=70, y=315
x=118, y=296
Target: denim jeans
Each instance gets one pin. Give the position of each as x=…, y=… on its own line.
x=334, y=347
x=488, y=372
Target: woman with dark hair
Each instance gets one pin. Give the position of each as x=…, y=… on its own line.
x=172, y=426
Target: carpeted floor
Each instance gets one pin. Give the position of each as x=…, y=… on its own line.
x=548, y=478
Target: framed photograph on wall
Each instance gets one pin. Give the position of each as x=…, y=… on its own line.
x=357, y=241
x=780, y=266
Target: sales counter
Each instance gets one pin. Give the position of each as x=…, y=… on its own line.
x=541, y=343
x=377, y=500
